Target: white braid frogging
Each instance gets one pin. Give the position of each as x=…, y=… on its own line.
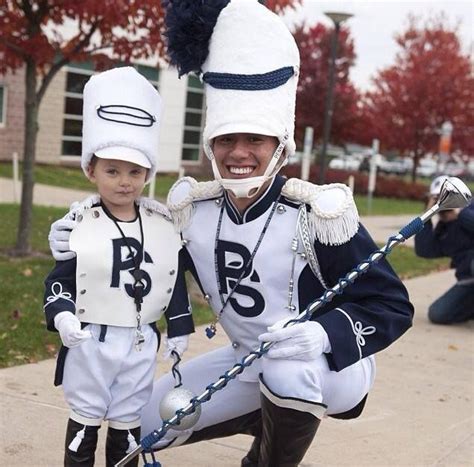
x=359, y=331
x=57, y=289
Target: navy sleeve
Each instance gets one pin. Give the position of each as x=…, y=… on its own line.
x=178, y=314
x=371, y=313
x=466, y=218
x=60, y=291
x=426, y=243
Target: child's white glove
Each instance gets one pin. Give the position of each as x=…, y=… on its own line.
x=300, y=341
x=179, y=344
x=69, y=328
x=58, y=237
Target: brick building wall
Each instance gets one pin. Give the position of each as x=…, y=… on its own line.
x=11, y=133
x=50, y=121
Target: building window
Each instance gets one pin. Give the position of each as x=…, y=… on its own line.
x=77, y=76
x=193, y=120
x=3, y=105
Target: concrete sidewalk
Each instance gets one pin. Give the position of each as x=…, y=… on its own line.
x=420, y=412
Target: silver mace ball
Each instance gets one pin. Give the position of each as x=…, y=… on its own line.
x=177, y=399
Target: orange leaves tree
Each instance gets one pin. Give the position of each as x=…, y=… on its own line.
x=431, y=82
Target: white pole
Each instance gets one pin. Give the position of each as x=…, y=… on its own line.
x=308, y=146
x=151, y=189
x=350, y=182
x=372, y=173
x=16, y=177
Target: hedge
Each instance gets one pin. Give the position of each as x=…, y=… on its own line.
x=386, y=185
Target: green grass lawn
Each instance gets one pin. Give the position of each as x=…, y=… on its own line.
x=388, y=206
x=23, y=336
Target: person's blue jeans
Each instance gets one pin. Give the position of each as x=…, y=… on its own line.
x=455, y=306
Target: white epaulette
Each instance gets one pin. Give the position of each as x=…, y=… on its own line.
x=155, y=206
x=184, y=193
x=333, y=219
x=79, y=207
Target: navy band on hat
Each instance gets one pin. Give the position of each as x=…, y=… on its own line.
x=257, y=82
x=124, y=114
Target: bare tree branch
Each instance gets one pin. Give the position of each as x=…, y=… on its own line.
x=64, y=61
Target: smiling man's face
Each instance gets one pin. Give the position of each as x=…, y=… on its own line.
x=243, y=155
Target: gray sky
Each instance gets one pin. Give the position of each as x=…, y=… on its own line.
x=376, y=21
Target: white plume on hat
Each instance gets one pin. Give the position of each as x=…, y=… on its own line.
x=249, y=39
x=121, y=116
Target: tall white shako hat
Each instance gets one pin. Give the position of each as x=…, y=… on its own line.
x=249, y=63
x=121, y=116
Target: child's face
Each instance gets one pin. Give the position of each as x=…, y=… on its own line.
x=119, y=183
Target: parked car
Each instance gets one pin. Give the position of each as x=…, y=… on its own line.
x=426, y=168
x=344, y=163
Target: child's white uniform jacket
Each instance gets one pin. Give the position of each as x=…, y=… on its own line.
x=97, y=285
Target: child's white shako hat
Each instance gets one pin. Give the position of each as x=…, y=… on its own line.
x=121, y=117
x=249, y=63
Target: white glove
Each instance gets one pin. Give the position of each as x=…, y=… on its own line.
x=301, y=341
x=69, y=328
x=179, y=344
x=59, y=238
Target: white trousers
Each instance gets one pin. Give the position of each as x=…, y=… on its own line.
x=110, y=380
x=310, y=381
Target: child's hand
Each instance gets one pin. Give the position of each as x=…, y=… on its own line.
x=69, y=328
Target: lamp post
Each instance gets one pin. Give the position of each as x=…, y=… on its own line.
x=337, y=19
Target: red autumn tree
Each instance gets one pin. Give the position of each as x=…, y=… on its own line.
x=430, y=83
x=36, y=34
x=279, y=5
x=314, y=44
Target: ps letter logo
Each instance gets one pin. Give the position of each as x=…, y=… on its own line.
x=127, y=263
x=231, y=260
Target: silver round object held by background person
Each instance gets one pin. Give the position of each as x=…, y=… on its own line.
x=176, y=399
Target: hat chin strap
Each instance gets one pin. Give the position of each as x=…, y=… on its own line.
x=248, y=187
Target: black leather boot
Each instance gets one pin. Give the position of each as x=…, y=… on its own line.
x=81, y=442
x=248, y=424
x=117, y=445
x=287, y=433
x=251, y=459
